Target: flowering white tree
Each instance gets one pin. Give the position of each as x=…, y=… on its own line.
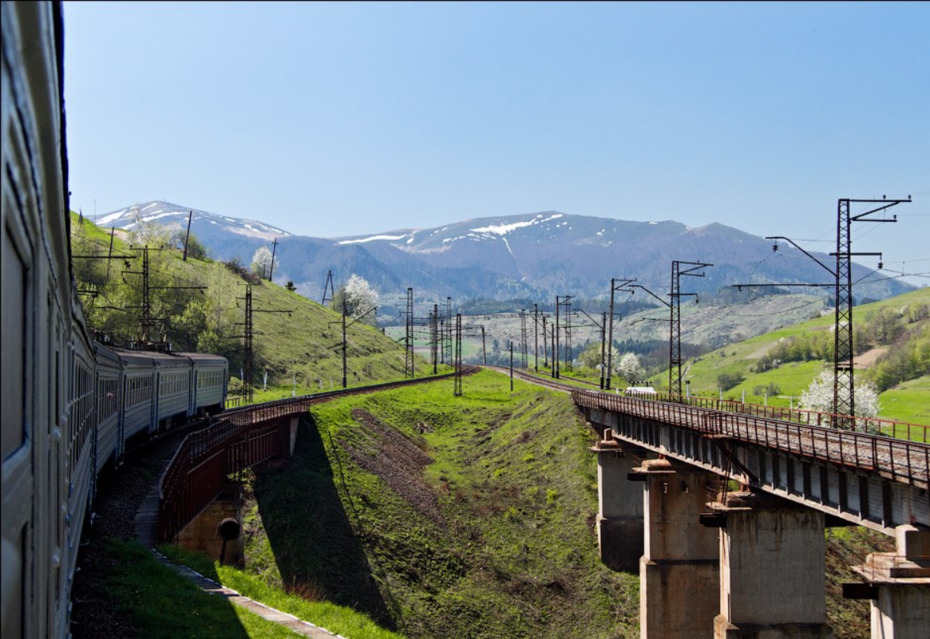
x=630, y=367
x=144, y=233
x=819, y=396
x=359, y=295
x=261, y=261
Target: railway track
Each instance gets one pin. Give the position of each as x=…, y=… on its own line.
x=535, y=379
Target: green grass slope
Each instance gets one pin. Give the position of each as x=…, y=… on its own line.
x=444, y=516
x=301, y=346
x=907, y=402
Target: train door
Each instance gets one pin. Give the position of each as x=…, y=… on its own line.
x=156, y=395
x=121, y=416
x=192, y=397
x=17, y=437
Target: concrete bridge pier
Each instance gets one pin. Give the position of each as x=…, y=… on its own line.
x=620, y=506
x=898, y=584
x=678, y=569
x=771, y=569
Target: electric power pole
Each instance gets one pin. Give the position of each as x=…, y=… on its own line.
x=511, y=366
x=545, y=343
x=187, y=236
x=328, y=287
x=110, y=253
x=843, y=385
x=615, y=285
x=536, y=337
x=844, y=402
x=457, y=391
x=434, y=337
x=147, y=322
x=692, y=269
x=555, y=341
x=448, y=340
x=247, y=336
x=344, y=348
x=603, y=339
x=484, y=352
x=274, y=251
x=523, y=340
x=567, y=299
x=408, y=341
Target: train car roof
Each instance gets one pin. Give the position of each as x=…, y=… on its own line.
x=153, y=358
x=204, y=357
x=106, y=351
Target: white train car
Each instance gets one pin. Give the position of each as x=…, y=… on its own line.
x=37, y=431
x=209, y=380
x=69, y=404
x=137, y=414
x=173, y=375
x=109, y=397
x=82, y=440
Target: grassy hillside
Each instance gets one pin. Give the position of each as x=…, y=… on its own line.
x=445, y=516
x=905, y=401
x=909, y=401
x=301, y=345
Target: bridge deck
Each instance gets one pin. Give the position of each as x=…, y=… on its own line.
x=895, y=459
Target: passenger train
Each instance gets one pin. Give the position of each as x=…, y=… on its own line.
x=70, y=404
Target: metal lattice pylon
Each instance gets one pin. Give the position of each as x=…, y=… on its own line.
x=843, y=395
x=458, y=355
x=408, y=339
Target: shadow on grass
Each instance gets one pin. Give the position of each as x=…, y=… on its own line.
x=159, y=602
x=311, y=536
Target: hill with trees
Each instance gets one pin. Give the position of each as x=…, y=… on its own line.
x=300, y=348
x=891, y=343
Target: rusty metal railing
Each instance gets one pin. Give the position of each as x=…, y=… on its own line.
x=896, y=459
x=873, y=425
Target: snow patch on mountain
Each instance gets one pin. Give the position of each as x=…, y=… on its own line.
x=130, y=216
x=373, y=238
x=504, y=229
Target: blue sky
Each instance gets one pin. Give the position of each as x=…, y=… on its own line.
x=338, y=119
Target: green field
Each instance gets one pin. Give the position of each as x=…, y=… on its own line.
x=909, y=401
x=794, y=377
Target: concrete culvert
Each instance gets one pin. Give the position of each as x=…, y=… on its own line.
x=229, y=529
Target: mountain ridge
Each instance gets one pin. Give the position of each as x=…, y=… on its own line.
x=502, y=257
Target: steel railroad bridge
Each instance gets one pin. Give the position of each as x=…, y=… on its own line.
x=724, y=513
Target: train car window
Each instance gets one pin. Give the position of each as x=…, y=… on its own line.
x=15, y=288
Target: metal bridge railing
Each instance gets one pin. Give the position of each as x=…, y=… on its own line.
x=897, y=459
x=872, y=425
